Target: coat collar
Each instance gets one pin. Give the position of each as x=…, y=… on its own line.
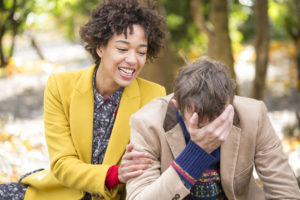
x=81, y=119
x=228, y=160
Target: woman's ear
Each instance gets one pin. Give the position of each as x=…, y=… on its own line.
x=99, y=51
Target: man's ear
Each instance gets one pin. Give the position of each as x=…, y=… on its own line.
x=174, y=103
x=99, y=51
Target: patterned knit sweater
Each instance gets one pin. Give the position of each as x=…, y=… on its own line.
x=199, y=170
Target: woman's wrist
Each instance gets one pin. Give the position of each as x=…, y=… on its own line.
x=112, y=178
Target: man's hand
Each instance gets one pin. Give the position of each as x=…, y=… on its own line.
x=133, y=163
x=212, y=135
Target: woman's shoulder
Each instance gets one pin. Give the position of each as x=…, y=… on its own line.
x=145, y=84
x=149, y=90
x=71, y=77
x=73, y=74
x=68, y=81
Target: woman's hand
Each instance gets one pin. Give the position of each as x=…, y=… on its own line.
x=133, y=164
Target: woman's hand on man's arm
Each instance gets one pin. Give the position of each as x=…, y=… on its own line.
x=133, y=164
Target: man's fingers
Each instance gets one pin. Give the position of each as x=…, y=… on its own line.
x=193, y=121
x=223, y=117
x=223, y=130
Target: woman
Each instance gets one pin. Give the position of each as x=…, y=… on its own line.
x=86, y=112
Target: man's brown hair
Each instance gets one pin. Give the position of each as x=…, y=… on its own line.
x=205, y=87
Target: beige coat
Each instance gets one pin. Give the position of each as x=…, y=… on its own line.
x=251, y=143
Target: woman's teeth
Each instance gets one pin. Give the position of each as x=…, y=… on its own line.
x=127, y=71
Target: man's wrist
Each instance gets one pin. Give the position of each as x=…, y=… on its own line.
x=192, y=162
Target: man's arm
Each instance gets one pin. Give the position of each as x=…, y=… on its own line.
x=271, y=163
x=152, y=184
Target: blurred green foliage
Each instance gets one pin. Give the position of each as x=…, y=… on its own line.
x=13, y=15
x=68, y=15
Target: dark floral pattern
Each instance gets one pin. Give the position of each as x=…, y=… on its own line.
x=14, y=191
x=105, y=110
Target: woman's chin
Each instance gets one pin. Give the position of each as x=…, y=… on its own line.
x=125, y=82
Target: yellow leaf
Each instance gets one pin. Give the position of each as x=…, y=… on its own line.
x=4, y=136
x=27, y=144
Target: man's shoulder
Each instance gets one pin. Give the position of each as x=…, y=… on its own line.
x=246, y=103
x=249, y=110
x=242, y=99
x=154, y=110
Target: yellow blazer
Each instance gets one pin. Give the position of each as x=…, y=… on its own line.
x=68, y=118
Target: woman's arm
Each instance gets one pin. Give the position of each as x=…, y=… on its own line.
x=64, y=160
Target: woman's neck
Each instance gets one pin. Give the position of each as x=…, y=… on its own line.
x=104, y=85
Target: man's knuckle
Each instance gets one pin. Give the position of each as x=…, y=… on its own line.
x=210, y=130
x=221, y=138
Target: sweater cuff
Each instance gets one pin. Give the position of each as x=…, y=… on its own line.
x=192, y=162
x=112, y=178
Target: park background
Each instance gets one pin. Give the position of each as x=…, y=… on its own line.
x=258, y=39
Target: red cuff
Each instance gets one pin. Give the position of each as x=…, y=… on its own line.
x=112, y=178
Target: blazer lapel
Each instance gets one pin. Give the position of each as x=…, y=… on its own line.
x=81, y=115
x=129, y=104
x=175, y=139
x=174, y=134
x=229, y=154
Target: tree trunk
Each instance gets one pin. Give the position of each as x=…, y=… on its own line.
x=296, y=38
x=297, y=44
x=201, y=25
x=34, y=44
x=162, y=70
x=219, y=45
x=222, y=41
x=2, y=57
x=4, y=29
x=261, y=48
x=13, y=40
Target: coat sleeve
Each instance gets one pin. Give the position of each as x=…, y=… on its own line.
x=271, y=163
x=64, y=160
x=152, y=184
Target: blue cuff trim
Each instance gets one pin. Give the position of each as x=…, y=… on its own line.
x=194, y=160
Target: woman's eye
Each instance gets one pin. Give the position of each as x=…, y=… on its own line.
x=142, y=53
x=121, y=49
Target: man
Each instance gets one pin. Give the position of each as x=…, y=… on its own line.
x=205, y=143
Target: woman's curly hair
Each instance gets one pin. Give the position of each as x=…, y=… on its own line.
x=116, y=16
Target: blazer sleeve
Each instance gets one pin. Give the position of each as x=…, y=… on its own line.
x=271, y=163
x=64, y=160
x=152, y=184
